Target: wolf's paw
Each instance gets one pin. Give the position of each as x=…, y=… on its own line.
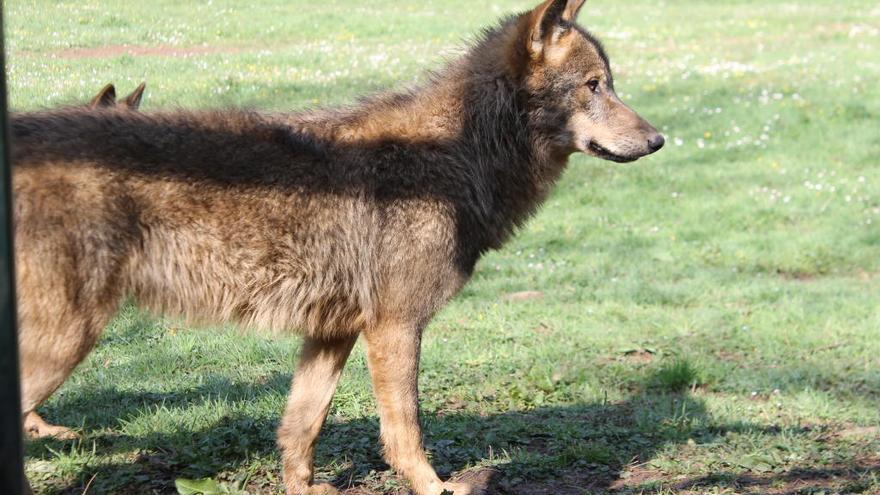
x=319, y=489
x=462, y=488
x=36, y=427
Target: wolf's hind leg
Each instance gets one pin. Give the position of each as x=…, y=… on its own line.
x=59, y=324
x=50, y=351
x=318, y=371
x=37, y=427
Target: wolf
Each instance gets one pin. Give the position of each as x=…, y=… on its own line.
x=34, y=425
x=336, y=224
x=107, y=98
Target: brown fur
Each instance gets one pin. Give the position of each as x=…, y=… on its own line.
x=34, y=425
x=335, y=223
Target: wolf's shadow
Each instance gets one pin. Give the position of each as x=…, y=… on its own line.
x=577, y=448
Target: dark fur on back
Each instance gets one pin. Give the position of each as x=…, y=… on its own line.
x=492, y=171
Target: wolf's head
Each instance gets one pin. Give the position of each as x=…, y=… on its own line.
x=106, y=98
x=565, y=75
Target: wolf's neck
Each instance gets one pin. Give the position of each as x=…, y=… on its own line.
x=503, y=170
x=517, y=168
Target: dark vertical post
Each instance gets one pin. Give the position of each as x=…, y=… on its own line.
x=11, y=466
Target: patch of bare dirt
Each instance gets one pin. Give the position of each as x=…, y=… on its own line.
x=525, y=295
x=482, y=478
x=635, y=476
x=573, y=482
x=827, y=479
x=731, y=356
x=635, y=356
x=138, y=51
x=639, y=355
x=795, y=275
x=854, y=432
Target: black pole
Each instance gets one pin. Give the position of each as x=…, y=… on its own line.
x=11, y=465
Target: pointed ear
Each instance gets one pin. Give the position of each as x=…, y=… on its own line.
x=550, y=19
x=105, y=98
x=133, y=100
x=572, y=9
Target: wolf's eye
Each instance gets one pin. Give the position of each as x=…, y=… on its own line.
x=593, y=84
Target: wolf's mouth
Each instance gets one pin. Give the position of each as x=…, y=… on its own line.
x=603, y=152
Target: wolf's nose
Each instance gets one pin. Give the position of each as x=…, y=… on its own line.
x=656, y=142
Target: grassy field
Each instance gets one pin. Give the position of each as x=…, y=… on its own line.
x=708, y=317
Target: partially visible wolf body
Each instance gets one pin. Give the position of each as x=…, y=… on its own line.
x=334, y=224
x=107, y=98
x=34, y=425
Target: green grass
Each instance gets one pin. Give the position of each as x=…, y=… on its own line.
x=710, y=318
x=677, y=376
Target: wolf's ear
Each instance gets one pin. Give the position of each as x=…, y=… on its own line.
x=105, y=98
x=133, y=100
x=549, y=20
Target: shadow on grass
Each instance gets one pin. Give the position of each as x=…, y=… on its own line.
x=102, y=408
x=562, y=450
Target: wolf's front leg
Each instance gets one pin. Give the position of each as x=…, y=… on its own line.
x=393, y=358
x=314, y=382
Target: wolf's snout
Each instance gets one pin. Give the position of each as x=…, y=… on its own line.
x=656, y=142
